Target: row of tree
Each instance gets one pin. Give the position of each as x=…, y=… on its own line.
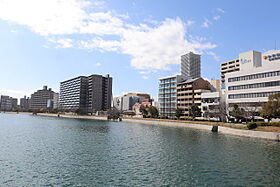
x=269, y=110
x=194, y=112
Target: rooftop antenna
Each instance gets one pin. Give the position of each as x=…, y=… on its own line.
x=275, y=44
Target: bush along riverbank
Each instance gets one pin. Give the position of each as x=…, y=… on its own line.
x=254, y=125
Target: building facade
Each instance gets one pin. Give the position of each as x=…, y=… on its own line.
x=210, y=103
x=72, y=95
x=189, y=93
x=99, y=93
x=39, y=99
x=24, y=103
x=259, y=77
x=87, y=94
x=190, y=65
x=126, y=102
x=8, y=103
x=228, y=67
x=167, y=97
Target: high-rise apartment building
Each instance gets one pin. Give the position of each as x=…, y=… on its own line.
x=86, y=93
x=190, y=65
x=24, y=103
x=39, y=99
x=99, y=93
x=167, y=96
x=73, y=94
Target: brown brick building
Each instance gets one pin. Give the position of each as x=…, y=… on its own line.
x=189, y=93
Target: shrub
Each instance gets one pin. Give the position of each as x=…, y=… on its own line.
x=252, y=125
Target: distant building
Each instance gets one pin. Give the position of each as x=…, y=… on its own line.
x=126, y=102
x=216, y=85
x=8, y=103
x=39, y=99
x=24, y=103
x=189, y=93
x=145, y=103
x=167, y=96
x=55, y=100
x=118, y=103
x=190, y=65
x=86, y=93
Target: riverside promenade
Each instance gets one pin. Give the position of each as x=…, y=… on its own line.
x=223, y=128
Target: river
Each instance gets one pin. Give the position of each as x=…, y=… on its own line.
x=50, y=151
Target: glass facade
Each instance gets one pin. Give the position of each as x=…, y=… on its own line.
x=167, y=96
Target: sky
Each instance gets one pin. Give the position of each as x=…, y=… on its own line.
x=45, y=42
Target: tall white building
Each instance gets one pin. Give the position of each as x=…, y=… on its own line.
x=190, y=65
x=167, y=96
x=258, y=77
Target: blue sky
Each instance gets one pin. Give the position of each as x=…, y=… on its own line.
x=44, y=42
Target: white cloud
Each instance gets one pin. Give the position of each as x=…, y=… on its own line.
x=216, y=18
x=214, y=55
x=145, y=77
x=99, y=43
x=206, y=23
x=13, y=31
x=151, y=47
x=98, y=64
x=16, y=93
x=62, y=43
x=220, y=10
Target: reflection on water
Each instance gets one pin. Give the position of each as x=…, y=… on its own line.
x=44, y=151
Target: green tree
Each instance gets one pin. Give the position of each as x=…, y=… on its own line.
x=144, y=111
x=271, y=109
x=237, y=113
x=153, y=111
x=179, y=112
x=194, y=111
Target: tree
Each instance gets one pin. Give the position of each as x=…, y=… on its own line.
x=237, y=113
x=271, y=109
x=144, y=111
x=194, y=111
x=153, y=111
x=218, y=111
x=179, y=112
x=113, y=111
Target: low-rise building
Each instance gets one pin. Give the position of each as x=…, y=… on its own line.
x=210, y=103
x=126, y=102
x=137, y=106
x=189, y=93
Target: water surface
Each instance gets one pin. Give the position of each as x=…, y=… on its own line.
x=49, y=151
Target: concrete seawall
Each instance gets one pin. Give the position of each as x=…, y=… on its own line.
x=223, y=130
